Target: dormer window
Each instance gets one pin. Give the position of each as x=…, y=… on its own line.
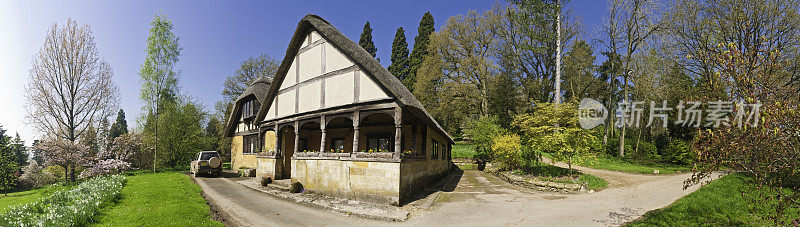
x=250, y=108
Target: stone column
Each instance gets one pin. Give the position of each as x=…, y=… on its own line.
x=356, y=121
x=322, y=134
x=398, y=131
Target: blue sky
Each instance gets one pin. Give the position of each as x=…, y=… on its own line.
x=216, y=36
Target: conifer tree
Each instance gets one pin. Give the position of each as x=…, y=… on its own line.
x=399, y=66
x=420, y=50
x=366, y=40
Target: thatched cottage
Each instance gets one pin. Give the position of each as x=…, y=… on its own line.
x=338, y=122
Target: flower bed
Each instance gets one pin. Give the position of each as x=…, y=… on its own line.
x=66, y=208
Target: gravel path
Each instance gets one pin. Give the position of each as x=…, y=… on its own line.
x=479, y=199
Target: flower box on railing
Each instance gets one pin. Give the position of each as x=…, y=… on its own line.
x=374, y=154
x=307, y=154
x=337, y=154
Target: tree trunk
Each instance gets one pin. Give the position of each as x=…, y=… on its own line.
x=557, y=93
x=622, y=134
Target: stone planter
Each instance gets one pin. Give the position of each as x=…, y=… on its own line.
x=374, y=155
x=306, y=154
x=326, y=154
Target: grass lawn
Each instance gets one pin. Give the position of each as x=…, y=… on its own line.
x=17, y=198
x=720, y=203
x=158, y=199
x=622, y=165
x=463, y=150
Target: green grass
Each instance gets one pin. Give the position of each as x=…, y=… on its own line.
x=720, y=203
x=622, y=165
x=463, y=150
x=158, y=199
x=617, y=164
x=23, y=197
x=226, y=165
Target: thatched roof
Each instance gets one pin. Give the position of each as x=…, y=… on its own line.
x=359, y=56
x=259, y=89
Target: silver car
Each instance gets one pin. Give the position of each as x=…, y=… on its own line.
x=206, y=162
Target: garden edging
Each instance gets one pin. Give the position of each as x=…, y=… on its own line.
x=538, y=185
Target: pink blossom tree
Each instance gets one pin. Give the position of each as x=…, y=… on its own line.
x=66, y=154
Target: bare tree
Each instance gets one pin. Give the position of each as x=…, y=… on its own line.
x=630, y=25
x=69, y=86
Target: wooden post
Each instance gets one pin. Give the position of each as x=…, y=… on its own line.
x=398, y=131
x=296, y=136
x=356, y=121
x=277, y=141
x=322, y=134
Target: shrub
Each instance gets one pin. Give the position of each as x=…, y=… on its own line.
x=507, y=151
x=646, y=151
x=679, y=152
x=56, y=171
x=66, y=208
x=34, y=176
x=296, y=187
x=612, y=147
x=483, y=131
x=266, y=180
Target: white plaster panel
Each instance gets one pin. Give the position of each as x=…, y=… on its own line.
x=335, y=60
x=368, y=89
x=339, y=89
x=309, y=96
x=310, y=63
x=286, y=103
x=291, y=76
x=270, y=112
x=315, y=36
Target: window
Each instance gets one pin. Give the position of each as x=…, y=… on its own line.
x=337, y=144
x=250, y=144
x=249, y=108
x=435, y=150
x=380, y=143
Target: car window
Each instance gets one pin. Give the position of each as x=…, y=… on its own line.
x=209, y=155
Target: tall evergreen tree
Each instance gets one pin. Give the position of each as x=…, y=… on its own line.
x=19, y=151
x=420, y=50
x=366, y=40
x=399, y=66
x=118, y=128
x=8, y=167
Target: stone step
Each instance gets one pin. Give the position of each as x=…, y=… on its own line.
x=283, y=185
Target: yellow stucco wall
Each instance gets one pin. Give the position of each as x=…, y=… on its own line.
x=368, y=181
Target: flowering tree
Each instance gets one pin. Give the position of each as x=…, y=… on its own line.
x=118, y=157
x=767, y=146
x=34, y=176
x=66, y=154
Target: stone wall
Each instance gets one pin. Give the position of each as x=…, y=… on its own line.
x=266, y=167
x=367, y=181
x=237, y=158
